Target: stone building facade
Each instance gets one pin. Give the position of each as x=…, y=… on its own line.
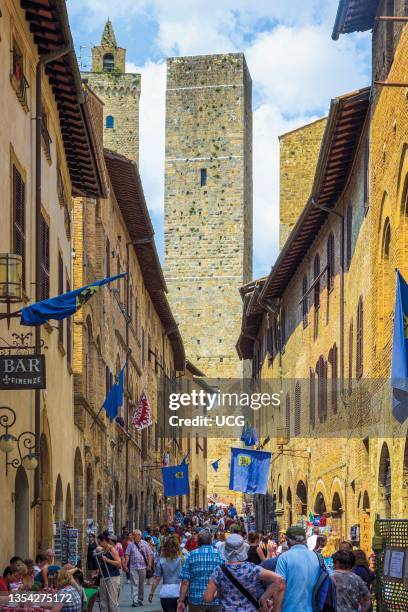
x=31, y=500
x=208, y=211
x=119, y=92
x=324, y=321
x=299, y=151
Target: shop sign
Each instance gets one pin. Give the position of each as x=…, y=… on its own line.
x=22, y=372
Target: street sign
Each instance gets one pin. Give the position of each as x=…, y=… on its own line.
x=22, y=372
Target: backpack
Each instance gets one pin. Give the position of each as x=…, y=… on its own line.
x=324, y=592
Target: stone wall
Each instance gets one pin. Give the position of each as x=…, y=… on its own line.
x=299, y=151
x=208, y=219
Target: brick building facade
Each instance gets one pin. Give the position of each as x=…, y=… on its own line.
x=324, y=317
x=208, y=211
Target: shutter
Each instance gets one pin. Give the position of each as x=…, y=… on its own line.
x=60, y=291
x=45, y=259
x=312, y=397
x=359, y=345
x=69, y=329
x=351, y=357
x=19, y=218
x=297, y=409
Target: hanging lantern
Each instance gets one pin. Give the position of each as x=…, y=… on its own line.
x=30, y=462
x=7, y=443
x=11, y=276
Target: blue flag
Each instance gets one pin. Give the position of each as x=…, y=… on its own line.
x=215, y=465
x=62, y=306
x=114, y=399
x=175, y=480
x=249, y=470
x=249, y=436
x=399, y=365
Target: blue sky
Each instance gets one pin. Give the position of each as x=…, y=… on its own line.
x=295, y=66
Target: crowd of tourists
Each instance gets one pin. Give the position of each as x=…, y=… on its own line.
x=210, y=561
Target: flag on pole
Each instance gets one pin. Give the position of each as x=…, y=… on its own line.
x=249, y=470
x=399, y=364
x=64, y=305
x=142, y=416
x=114, y=399
x=249, y=436
x=215, y=465
x=175, y=480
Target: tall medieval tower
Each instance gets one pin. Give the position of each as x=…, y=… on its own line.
x=120, y=93
x=208, y=214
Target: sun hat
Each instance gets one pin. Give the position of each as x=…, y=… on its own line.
x=235, y=548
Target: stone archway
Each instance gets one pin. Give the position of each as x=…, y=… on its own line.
x=68, y=505
x=320, y=504
x=78, y=490
x=384, y=483
x=289, y=511
x=59, y=500
x=337, y=514
x=21, y=514
x=89, y=493
x=46, y=518
x=301, y=499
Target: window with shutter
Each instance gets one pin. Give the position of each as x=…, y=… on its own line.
x=359, y=338
x=19, y=238
x=287, y=415
x=297, y=409
x=316, y=294
x=69, y=330
x=334, y=377
x=312, y=397
x=366, y=177
x=330, y=262
x=60, y=291
x=45, y=259
x=349, y=234
x=305, y=302
x=351, y=334
x=321, y=369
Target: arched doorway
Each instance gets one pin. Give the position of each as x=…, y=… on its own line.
x=301, y=498
x=78, y=490
x=289, y=514
x=59, y=501
x=46, y=521
x=320, y=504
x=68, y=505
x=117, y=509
x=89, y=493
x=130, y=520
x=337, y=514
x=384, y=483
x=21, y=514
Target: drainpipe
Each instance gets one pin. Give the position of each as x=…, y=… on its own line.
x=44, y=60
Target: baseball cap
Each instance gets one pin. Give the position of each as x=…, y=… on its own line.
x=296, y=533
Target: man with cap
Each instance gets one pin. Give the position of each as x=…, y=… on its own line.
x=299, y=568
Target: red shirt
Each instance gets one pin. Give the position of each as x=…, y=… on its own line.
x=3, y=585
x=191, y=544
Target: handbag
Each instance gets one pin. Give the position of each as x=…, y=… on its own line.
x=149, y=570
x=240, y=587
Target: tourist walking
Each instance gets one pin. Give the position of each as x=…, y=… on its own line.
x=299, y=567
x=255, y=552
x=138, y=561
x=168, y=568
x=195, y=575
x=110, y=564
x=239, y=584
x=90, y=557
x=352, y=592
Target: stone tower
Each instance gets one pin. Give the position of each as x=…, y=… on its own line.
x=208, y=213
x=120, y=93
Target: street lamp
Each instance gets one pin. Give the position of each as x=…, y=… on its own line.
x=24, y=442
x=11, y=281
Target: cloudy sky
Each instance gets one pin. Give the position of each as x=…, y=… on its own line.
x=296, y=69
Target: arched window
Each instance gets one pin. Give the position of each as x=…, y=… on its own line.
x=385, y=282
x=305, y=302
x=334, y=377
x=110, y=122
x=350, y=367
x=316, y=293
x=108, y=62
x=330, y=262
x=312, y=397
x=359, y=339
x=287, y=414
x=297, y=409
x=349, y=235
x=321, y=369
